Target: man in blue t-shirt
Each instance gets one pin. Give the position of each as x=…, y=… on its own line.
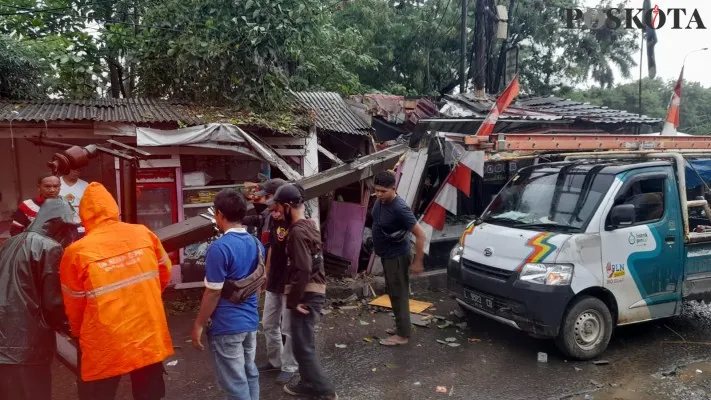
x=231, y=328
x=392, y=222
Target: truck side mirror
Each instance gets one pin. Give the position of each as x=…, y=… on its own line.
x=622, y=215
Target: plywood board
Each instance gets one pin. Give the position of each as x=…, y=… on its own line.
x=416, y=306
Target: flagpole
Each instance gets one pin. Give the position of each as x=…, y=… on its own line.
x=641, y=61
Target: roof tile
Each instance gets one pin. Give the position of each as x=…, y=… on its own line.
x=332, y=113
x=99, y=110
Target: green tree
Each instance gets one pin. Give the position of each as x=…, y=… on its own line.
x=80, y=40
x=553, y=57
x=22, y=69
x=219, y=50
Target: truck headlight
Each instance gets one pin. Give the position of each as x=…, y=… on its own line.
x=547, y=274
x=456, y=254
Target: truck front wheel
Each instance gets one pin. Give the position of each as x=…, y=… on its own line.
x=586, y=329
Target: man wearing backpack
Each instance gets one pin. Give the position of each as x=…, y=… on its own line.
x=231, y=324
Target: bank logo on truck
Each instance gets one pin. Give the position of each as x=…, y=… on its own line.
x=615, y=272
x=640, y=239
x=542, y=248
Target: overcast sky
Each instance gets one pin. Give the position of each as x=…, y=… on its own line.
x=674, y=44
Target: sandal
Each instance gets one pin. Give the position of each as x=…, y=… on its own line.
x=391, y=343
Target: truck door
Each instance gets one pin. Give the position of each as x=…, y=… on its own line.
x=642, y=258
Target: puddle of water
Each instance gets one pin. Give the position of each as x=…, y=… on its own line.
x=689, y=373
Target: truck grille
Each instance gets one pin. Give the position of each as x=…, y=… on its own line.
x=481, y=269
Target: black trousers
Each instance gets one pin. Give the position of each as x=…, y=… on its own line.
x=304, y=342
x=397, y=282
x=146, y=384
x=25, y=382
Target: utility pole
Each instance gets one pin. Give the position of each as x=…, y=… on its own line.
x=463, y=50
x=480, y=42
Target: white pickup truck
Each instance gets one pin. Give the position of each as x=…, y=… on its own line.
x=570, y=250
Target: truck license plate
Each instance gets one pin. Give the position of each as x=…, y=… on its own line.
x=479, y=300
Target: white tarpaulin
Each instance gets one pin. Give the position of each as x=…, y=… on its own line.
x=226, y=136
x=211, y=133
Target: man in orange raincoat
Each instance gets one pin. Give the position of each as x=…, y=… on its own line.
x=112, y=280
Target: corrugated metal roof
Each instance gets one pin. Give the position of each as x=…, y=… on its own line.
x=332, y=113
x=544, y=108
x=100, y=110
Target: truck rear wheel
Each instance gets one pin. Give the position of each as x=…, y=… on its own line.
x=586, y=329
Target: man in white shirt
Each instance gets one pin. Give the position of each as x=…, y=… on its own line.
x=72, y=189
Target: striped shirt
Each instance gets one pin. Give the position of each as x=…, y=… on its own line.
x=25, y=214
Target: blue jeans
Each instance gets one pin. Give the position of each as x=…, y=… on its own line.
x=237, y=373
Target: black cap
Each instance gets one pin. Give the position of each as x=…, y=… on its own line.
x=270, y=187
x=287, y=194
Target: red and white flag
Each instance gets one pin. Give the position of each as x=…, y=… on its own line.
x=672, y=122
x=459, y=179
x=502, y=103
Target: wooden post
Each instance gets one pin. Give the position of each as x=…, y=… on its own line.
x=310, y=167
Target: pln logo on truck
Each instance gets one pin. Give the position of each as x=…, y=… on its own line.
x=615, y=272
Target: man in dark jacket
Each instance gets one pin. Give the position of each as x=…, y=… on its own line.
x=305, y=292
x=262, y=219
x=275, y=320
x=31, y=307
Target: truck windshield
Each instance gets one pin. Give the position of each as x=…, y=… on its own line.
x=550, y=198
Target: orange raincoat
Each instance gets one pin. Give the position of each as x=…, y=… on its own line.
x=112, y=280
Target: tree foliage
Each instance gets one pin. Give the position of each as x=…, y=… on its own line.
x=553, y=57
x=248, y=53
x=22, y=69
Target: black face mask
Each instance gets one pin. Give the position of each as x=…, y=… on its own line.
x=259, y=208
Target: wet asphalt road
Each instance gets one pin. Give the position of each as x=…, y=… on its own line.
x=500, y=364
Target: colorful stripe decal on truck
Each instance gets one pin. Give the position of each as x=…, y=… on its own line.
x=541, y=248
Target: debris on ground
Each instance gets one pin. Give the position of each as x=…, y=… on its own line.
x=673, y=371
x=600, y=362
x=390, y=365
x=172, y=363
x=440, y=341
x=420, y=320
x=462, y=325
x=416, y=306
x=473, y=340
x=453, y=344
x=345, y=300
x=445, y=325
x=698, y=371
x=457, y=313
x=374, y=369
x=451, y=339
x=441, y=389
x=363, y=323
x=578, y=369
x=596, y=383
x=326, y=311
x=341, y=346
x=417, y=384
x=542, y=357
x=367, y=340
